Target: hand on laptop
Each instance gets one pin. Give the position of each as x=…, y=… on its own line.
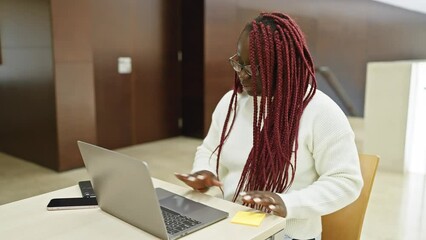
x=200, y=181
x=268, y=200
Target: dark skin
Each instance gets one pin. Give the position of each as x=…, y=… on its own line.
x=201, y=181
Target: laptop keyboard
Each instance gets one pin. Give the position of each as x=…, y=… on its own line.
x=176, y=222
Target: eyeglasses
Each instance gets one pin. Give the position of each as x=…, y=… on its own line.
x=239, y=67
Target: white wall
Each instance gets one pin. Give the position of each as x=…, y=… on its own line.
x=385, y=112
x=415, y=145
x=392, y=113
x=413, y=5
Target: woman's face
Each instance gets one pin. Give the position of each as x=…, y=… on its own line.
x=243, y=58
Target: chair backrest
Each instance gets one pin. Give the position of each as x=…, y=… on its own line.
x=346, y=223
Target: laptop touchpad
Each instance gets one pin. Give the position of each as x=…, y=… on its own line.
x=180, y=204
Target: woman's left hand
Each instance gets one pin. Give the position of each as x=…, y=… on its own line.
x=269, y=200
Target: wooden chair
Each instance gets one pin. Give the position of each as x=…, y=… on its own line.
x=347, y=222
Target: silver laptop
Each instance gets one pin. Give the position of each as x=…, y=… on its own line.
x=124, y=189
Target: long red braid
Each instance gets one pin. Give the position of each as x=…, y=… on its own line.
x=288, y=84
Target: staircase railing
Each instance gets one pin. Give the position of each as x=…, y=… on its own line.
x=337, y=87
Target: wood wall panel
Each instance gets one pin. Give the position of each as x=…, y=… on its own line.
x=158, y=103
x=71, y=27
x=27, y=106
x=221, y=31
x=75, y=111
x=341, y=45
x=74, y=83
x=47, y=104
x=144, y=105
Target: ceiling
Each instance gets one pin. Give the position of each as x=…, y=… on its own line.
x=413, y=5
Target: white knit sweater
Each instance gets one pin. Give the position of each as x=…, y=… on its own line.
x=327, y=175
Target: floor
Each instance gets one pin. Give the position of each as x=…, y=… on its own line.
x=397, y=207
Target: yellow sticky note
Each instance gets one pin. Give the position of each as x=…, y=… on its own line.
x=248, y=218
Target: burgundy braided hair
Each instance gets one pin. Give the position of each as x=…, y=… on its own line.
x=279, y=54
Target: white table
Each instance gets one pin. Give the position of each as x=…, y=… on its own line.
x=29, y=219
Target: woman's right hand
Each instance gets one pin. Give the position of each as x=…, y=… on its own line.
x=200, y=181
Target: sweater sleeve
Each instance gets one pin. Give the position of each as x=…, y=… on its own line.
x=336, y=162
x=206, y=156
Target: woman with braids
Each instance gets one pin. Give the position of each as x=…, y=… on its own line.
x=276, y=143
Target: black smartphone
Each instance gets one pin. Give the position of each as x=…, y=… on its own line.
x=72, y=203
x=86, y=189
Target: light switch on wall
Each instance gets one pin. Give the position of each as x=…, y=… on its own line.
x=124, y=65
